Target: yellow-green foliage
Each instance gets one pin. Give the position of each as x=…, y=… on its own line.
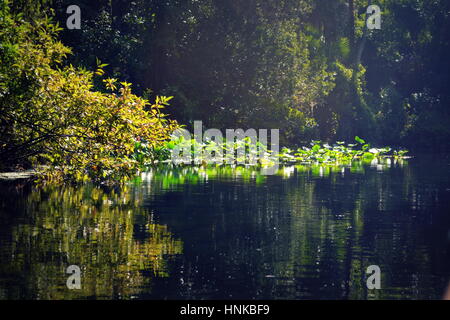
x=51, y=115
x=91, y=227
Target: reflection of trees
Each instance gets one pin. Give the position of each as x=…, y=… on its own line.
x=89, y=228
x=345, y=223
x=311, y=233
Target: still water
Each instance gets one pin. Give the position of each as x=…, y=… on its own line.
x=305, y=233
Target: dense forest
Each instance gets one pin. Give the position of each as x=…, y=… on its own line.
x=312, y=69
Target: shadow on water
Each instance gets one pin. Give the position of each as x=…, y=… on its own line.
x=309, y=232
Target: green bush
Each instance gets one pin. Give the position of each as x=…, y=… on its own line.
x=50, y=114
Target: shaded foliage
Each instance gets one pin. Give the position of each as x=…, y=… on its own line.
x=310, y=68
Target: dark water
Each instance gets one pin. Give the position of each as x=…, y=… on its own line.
x=306, y=233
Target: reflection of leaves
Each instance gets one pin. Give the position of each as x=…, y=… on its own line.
x=171, y=176
x=168, y=177
x=93, y=229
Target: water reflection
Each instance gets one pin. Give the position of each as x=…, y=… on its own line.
x=309, y=232
x=45, y=230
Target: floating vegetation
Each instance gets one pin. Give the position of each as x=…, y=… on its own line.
x=244, y=152
x=244, y=159
x=339, y=153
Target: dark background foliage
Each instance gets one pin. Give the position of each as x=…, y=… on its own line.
x=307, y=67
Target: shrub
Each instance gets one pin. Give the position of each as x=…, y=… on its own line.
x=51, y=115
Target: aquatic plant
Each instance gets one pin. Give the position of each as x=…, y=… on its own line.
x=259, y=155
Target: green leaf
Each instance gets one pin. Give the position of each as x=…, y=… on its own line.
x=368, y=156
x=359, y=140
x=316, y=148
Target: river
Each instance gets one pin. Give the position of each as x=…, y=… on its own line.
x=309, y=232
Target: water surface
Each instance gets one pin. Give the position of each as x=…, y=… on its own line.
x=305, y=233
